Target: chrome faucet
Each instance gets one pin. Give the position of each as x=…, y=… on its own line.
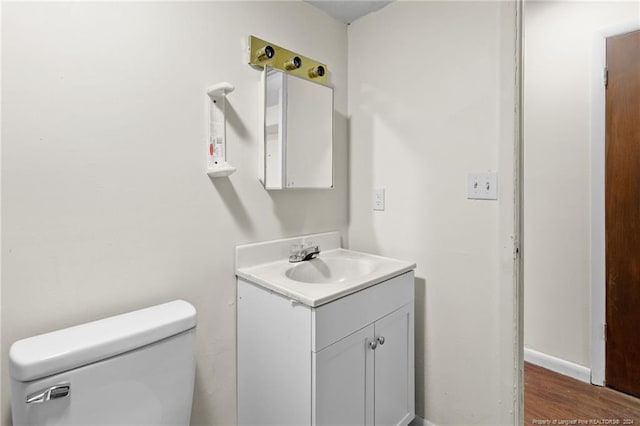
x=301, y=252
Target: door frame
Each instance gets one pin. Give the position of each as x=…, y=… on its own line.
x=598, y=264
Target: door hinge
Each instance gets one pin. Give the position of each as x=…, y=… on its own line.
x=606, y=77
x=604, y=331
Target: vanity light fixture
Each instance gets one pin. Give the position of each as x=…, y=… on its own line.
x=293, y=63
x=317, y=71
x=262, y=53
x=267, y=52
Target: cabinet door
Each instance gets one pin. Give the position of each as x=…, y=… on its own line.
x=394, y=368
x=343, y=381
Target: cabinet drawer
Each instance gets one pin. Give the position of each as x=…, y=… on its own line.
x=335, y=320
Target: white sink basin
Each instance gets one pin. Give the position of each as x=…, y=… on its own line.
x=335, y=273
x=331, y=270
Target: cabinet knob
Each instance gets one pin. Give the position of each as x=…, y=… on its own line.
x=381, y=340
x=373, y=344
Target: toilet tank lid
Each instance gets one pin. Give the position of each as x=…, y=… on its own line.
x=69, y=348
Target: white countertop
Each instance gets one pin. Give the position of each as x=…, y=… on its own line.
x=273, y=275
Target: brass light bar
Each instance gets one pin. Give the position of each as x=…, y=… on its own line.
x=263, y=53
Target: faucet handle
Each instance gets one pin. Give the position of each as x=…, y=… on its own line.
x=305, y=251
x=310, y=244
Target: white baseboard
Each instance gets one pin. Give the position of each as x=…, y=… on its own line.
x=558, y=365
x=419, y=421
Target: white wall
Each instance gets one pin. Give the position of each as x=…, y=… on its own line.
x=105, y=204
x=559, y=39
x=431, y=98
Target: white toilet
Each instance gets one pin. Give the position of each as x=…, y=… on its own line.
x=136, y=368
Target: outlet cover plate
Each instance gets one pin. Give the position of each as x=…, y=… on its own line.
x=377, y=198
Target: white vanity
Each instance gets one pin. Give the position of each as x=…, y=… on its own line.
x=328, y=341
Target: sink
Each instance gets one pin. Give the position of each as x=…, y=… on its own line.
x=335, y=273
x=330, y=270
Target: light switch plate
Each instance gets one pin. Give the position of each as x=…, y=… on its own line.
x=482, y=186
x=378, y=198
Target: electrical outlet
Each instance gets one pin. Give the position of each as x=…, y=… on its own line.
x=482, y=186
x=378, y=198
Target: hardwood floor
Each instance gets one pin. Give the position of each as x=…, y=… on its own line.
x=554, y=399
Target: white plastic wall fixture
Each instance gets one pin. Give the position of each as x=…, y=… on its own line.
x=217, y=165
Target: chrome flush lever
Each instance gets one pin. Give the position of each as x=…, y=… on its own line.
x=61, y=390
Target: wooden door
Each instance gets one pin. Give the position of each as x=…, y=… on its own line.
x=343, y=382
x=394, y=390
x=622, y=188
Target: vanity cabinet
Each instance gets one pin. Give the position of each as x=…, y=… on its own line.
x=347, y=362
x=367, y=377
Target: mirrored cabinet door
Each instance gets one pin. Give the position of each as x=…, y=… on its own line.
x=298, y=132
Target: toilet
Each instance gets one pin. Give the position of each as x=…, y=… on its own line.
x=137, y=368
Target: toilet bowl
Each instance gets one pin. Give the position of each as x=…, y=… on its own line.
x=136, y=368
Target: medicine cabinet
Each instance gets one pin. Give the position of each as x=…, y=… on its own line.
x=297, y=118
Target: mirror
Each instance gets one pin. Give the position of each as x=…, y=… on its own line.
x=297, y=132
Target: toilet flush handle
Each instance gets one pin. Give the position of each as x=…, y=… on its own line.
x=60, y=390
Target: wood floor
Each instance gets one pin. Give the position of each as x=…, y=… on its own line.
x=551, y=398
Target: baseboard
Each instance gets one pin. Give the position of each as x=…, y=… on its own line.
x=419, y=421
x=558, y=365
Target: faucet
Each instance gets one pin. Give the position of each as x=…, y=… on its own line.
x=301, y=252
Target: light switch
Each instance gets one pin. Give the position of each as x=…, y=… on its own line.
x=378, y=198
x=482, y=186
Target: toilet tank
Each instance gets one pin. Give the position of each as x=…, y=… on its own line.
x=136, y=368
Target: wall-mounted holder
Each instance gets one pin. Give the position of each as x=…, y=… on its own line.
x=263, y=53
x=217, y=165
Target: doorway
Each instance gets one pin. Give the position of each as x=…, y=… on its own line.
x=564, y=313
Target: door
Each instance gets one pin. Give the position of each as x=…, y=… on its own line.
x=622, y=210
x=394, y=390
x=343, y=381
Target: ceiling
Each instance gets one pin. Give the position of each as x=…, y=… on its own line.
x=348, y=11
